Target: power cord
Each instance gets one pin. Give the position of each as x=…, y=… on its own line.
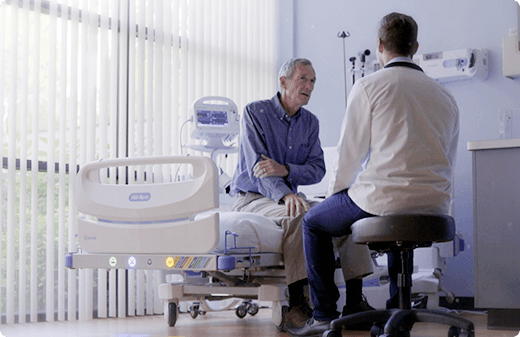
x=180, y=133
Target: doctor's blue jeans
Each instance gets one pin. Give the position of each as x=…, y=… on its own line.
x=330, y=218
x=333, y=217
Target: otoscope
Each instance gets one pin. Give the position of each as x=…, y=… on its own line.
x=353, y=60
x=362, y=55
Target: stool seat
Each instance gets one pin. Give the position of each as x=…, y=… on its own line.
x=407, y=230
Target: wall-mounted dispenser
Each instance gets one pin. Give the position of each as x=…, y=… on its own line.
x=455, y=65
x=511, y=51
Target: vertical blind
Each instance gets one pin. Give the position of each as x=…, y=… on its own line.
x=84, y=80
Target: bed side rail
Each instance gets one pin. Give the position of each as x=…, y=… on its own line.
x=148, y=201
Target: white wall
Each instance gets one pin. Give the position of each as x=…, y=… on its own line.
x=443, y=25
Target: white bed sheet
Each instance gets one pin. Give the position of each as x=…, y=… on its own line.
x=254, y=230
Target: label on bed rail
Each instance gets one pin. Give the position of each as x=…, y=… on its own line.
x=142, y=196
x=187, y=262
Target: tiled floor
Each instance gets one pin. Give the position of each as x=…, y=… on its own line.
x=212, y=324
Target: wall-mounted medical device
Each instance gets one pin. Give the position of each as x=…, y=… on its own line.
x=448, y=66
x=511, y=50
x=215, y=120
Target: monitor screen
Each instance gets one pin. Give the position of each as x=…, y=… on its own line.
x=210, y=118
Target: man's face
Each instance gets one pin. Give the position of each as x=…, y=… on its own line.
x=298, y=88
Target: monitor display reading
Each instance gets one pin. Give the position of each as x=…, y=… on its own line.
x=209, y=118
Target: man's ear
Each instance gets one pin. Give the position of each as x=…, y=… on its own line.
x=283, y=82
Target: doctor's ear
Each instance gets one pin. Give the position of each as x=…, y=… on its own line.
x=415, y=48
x=380, y=46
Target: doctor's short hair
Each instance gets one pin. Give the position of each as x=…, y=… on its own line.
x=398, y=33
x=287, y=69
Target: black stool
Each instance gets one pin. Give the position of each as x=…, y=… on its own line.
x=399, y=234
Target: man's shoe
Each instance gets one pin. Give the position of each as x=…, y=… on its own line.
x=311, y=328
x=297, y=316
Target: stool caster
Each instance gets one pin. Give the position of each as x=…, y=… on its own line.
x=457, y=332
x=453, y=331
x=376, y=331
x=331, y=333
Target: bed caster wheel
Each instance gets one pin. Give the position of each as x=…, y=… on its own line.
x=194, y=311
x=241, y=311
x=253, y=309
x=331, y=333
x=172, y=314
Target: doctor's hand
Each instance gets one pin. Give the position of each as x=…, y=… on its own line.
x=269, y=167
x=295, y=205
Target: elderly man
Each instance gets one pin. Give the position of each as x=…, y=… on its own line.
x=396, y=155
x=280, y=150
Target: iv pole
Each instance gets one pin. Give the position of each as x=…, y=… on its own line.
x=343, y=35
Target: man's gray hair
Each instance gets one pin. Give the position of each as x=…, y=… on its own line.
x=287, y=69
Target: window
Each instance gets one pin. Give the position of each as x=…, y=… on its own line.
x=83, y=80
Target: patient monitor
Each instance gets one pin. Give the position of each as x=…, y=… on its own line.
x=216, y=120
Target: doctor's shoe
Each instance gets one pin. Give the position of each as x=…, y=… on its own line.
x=360, y=307
x=297, y=316
x=311, y=328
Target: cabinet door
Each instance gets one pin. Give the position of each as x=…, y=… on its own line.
x=496, y=206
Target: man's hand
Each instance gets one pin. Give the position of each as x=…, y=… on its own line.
x=269, y=167
x=295, y=205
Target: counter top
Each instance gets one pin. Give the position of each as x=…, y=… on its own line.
x=493, y=144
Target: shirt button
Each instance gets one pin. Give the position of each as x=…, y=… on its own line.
x=290, y=147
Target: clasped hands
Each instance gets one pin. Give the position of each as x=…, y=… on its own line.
x=268, y=167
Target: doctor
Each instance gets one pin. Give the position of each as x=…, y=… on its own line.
x=396, y=155
x=280, y=150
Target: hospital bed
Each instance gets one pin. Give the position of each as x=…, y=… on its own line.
x=136, y=213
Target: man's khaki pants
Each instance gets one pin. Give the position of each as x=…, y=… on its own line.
x=355, y=259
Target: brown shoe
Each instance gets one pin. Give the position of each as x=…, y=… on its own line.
x=297, y=316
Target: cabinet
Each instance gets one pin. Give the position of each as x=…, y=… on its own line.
x=496, y=216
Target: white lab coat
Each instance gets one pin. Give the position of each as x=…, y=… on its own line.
x=398, y=144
